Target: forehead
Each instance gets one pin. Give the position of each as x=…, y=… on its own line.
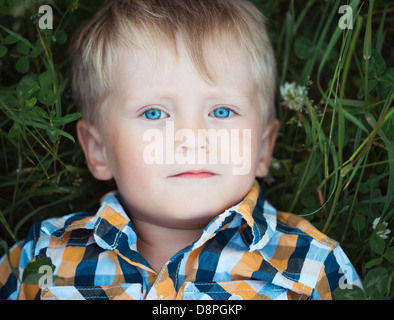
x=165, y=68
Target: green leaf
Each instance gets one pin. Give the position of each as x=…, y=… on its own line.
x=15, y=37
x=32, y=274
x=27, y=86
x=10, y=39
x=3, y=51
x=38, y=49
x=376, y=282
x=22, y=65
x=45, y=80
x=386, y=81
x=54, y=133
x=67, y=119
x=22, y=48
x=349, y=294
x=66, y=135
x=377, y=244
x=14, y=131
x=30, y=103
x=372, y=83
x=389, y=255
x=376, y=64
x=345, y=171
x=60, y=36
x=41, y=113
x=47, y=97
x=358, y=222
x=373, y=262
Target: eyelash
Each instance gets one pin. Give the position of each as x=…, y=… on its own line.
x=225, y=107
x=152, y=108
x=217, y=108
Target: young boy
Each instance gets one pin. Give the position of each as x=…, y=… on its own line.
x=172, y=92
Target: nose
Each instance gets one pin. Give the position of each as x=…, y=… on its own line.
x=191, y=140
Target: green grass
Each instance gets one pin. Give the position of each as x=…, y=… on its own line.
x=334, y=157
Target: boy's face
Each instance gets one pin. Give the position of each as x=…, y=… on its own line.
x=157, y=131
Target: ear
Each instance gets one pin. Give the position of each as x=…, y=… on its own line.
x=267, y=146
x=94, y=150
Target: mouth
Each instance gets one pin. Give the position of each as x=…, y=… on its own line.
x=194, y=174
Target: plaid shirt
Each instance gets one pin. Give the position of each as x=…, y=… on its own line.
x=250, y=251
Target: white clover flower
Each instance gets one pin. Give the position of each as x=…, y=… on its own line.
x=381, y=228
x=294, y=95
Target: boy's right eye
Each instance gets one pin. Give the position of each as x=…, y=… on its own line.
x=154, y=114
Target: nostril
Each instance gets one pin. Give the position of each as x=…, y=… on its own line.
x=204, y=147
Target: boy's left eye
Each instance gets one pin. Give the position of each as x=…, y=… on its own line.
x=222, y=113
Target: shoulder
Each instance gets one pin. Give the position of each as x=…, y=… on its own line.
x=50, y=234
x=309, y=258
x=297, y=249
x=53, y=233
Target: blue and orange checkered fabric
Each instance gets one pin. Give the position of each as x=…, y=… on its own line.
x=249, y=252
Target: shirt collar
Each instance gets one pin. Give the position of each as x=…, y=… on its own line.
x=112, y=223
x=259, y=215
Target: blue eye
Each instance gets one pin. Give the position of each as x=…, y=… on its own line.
x=222, y=113
x=154, y=114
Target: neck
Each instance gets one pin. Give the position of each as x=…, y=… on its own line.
x=157, y=244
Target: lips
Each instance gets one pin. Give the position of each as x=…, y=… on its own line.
x=195, y=174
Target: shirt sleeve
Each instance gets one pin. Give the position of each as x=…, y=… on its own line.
x=337, y=271
x=9, y=282
x=19, y=256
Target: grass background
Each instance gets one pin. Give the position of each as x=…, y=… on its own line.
x=334, y=159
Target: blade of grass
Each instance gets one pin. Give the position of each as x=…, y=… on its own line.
x=289, y=36
x=390, y=150
x=306, y=72
x=367, y=48
x=354, y=199
x=5, y=224
x=341, y=128
x=380, y=34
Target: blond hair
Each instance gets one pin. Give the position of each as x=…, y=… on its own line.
x=142, y=24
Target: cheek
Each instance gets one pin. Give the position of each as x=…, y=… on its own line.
x=124, y=151
x=245, y=151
